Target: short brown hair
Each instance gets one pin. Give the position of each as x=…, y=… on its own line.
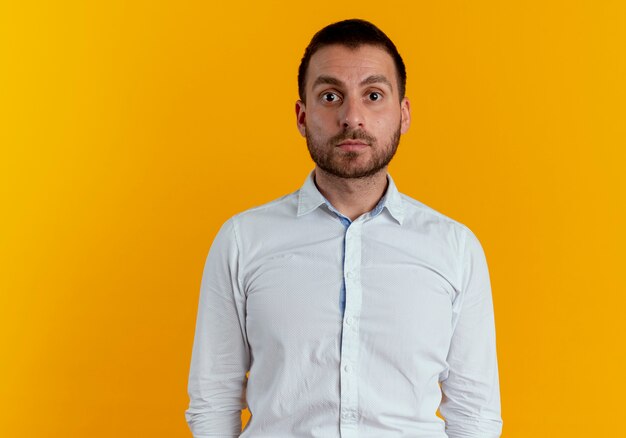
x=351, y=33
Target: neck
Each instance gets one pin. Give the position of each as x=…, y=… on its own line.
x=352, y=197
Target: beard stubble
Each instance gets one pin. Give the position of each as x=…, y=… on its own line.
x=343, y=164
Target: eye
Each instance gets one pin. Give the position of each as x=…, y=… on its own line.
x=374, y=96
x=330, y=97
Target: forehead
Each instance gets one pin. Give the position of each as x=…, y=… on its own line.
x=351, y=64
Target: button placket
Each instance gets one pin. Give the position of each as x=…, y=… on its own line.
x=350, y=335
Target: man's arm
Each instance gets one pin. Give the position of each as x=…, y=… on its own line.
x=471, y=391
x=220, y=356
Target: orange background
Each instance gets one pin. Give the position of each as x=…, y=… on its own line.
x=130, y=131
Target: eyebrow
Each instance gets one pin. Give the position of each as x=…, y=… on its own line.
x=376, y=79
x=370, y=80
x=327, y=80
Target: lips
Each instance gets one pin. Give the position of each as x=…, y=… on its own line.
x=352, y=143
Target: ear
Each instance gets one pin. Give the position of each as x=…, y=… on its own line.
x=405, y=113
x=301, y=117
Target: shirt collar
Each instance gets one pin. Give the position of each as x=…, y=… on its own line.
x=310, y=198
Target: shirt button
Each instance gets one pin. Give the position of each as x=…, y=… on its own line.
x=349, y=415
x=349, y=275
x=349, y=320
x=347, y=368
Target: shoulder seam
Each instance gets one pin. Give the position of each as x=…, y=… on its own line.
x=423, y=207
x=267, y=205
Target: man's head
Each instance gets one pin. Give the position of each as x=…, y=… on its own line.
x=352, y=34
x=352, y=108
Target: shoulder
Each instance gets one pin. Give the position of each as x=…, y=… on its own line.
x=419, y=214
x=278, y=207
x=256, y=219
x=451, y=233
x=447, y=236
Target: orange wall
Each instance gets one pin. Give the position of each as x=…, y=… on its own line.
x=129, y=131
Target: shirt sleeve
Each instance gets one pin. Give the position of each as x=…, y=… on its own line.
x=220, y=355
x=471, y=392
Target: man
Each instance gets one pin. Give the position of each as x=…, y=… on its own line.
x=357, y=310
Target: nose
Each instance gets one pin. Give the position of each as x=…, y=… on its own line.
x=352, y=116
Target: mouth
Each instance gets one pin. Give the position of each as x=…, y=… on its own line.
x=352, y=145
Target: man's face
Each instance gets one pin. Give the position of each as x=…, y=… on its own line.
x=353, y=116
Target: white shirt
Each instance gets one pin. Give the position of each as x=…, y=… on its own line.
x=416, y=334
